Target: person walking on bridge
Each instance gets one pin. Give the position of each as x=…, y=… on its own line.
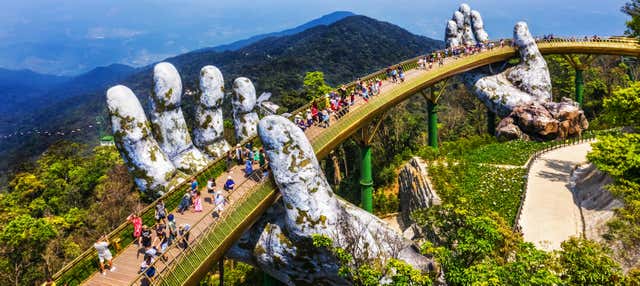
x=102, y=246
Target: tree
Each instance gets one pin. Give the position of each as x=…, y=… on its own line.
x=22, y=240
x=632, y=9
x=482, y=249
x=623, y=107
x=314, y=85
x=585, y=262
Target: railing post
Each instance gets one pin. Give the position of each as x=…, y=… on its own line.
x=432, y=117
x=366, y=178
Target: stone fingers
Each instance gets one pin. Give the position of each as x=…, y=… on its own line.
x=244, y=101
x=148, y=163
x=309, y=202
x=465, y=28
x=531, y=75
x=169, y=126
x=478, y=27
x=208, y=132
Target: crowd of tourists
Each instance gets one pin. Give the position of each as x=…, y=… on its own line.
x=551, y=37
x=153, y=241
x=338, y=103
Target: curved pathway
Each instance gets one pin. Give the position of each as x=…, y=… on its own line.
x=549, y=212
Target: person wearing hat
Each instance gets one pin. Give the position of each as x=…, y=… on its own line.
x=229, y=184
x=185, y=202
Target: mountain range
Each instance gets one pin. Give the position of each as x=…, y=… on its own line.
x=344, y=50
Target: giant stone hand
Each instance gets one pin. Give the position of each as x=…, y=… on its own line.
x=280, y=243
x=521, y=94
x=159, y=153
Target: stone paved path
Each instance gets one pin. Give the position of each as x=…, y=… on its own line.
x=549, y=212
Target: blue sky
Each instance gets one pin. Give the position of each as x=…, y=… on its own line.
x=68, y=37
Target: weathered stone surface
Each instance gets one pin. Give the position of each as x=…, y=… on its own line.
x=596, y=202
x=527, y=82
x=169, y=126
x=280, y=243
x=208, y=132
x=543, y=121
x=149, y=165
x=465, y=28
x=415, y=190
x=507, y=130
x=244, y=100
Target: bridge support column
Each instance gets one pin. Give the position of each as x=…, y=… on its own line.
x=267, y=280
x=366, y=178
x=579, y=86
x=491, y=122
x=221, y=271
x=432, y=117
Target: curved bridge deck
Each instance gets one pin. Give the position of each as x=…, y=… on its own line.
x=210, y=238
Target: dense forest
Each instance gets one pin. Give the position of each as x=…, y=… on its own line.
x=53, y=208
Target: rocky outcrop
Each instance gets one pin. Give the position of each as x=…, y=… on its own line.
x=543, y=121
x=208, y=133
x=147, y=162
x=521, y=94
x=280, y=243
x=415, y=190
x=169, y=126
x=596, y=202
x=245, y=119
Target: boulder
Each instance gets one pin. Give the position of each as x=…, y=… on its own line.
x=280, y=243
x=245, y=119
x=168, y=124
x=208, y=132
x=543, y=121
x=415, y=191
x=150, y=166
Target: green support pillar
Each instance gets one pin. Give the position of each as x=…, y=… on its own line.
x=491, y=122
x=366, y=178
x=267, y=280
x=221, y=271
x=579, y=86
x=432, y=116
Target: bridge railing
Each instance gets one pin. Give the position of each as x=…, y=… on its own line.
x=181, y=262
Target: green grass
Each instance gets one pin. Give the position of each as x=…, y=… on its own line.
x=484, y=188
x=507, y=153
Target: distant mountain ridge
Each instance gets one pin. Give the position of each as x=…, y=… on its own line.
x=349, y=48
x=324, y=20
